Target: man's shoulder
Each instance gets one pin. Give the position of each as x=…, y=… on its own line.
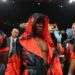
x=8, y=39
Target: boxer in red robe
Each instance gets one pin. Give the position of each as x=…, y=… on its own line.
x=38, y=49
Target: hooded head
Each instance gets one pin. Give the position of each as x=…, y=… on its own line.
x=38, y=26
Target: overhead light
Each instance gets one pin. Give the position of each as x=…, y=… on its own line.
x=71, y=1
x=4, y=0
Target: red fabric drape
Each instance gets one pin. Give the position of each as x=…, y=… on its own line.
x=56, y=68
x=28, y=28
x=13, y=65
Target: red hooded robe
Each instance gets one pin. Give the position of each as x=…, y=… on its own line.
x=56, y=70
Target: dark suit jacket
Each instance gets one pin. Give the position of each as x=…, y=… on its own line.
x=8, y=41
x=8, y=44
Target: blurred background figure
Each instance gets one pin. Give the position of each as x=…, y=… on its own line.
x=71, y=49
x=54, y=31
x=4, y=50
x=11, y=41
x=13, y=65
x=69, y=33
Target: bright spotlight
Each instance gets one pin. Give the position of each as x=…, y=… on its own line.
x=71, y=1
x=4, y=0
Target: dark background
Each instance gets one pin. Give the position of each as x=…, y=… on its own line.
x=14, y=12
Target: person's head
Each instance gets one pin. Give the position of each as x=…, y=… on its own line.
x=23, y=25
x=38, y=25
x=73, y=29
x=52, y=27
x=15, y=32
x=2, y=39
